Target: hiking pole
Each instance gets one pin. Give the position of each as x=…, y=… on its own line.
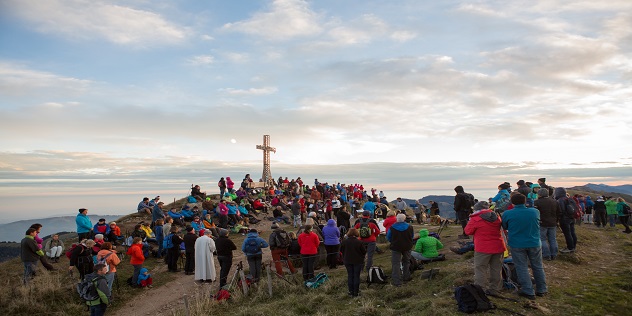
x=244, y=285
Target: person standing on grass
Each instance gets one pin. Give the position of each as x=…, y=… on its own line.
x=489, y=247
x=225, y=248
x=252, y=248
x=309, y=242
x=369, y=238
x=190, y=239
x=331, y=239
x=353, y=252
x=29, y=254
x=523, y=226
x=279, y=242
x=611, y=211
x=173, y=253
x=623, y=210
x=463, y=208
x=567, y=220
x=111, y=261
x=204, y=264
x=550, y=215
x=40, y=241
x=81, y=257
x=400, y=235
x=135, y=251
x=84, y=224
x=100, y=305
x=599, y=210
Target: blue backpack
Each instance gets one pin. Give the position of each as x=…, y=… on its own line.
x=167, y=243
x=252, y=246
x=316, y=281
x=191, y=199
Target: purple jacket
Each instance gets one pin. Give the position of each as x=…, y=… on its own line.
x=331, y=233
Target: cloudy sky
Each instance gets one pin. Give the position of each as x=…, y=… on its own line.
x=138, y=97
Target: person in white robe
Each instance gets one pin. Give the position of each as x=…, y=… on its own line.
x=204, y=264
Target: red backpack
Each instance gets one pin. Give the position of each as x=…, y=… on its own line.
x=72, y=248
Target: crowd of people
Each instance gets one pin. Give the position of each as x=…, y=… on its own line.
x=336, y=222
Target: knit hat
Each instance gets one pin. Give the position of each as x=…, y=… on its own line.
x=274, y=226
x=481, y=205
x=543, y=193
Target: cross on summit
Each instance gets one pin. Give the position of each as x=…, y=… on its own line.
x=267, y=176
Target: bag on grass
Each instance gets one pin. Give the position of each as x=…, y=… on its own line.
x=316, y=281
x=376, y=275
x=221, y=295
x=471, y=298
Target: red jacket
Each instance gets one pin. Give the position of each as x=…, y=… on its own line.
x=388, y=222
x=485, y=226
x=374, y=230
x=136, y=254
x=309, y=243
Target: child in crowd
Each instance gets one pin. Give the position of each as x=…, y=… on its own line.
x=144, y=279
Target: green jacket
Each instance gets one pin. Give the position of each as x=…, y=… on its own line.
x=102, y=289
x=427, y=246
x=620, y=208
x=611, y=207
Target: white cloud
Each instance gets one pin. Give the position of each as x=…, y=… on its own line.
x=285, y=19
x=20, y=81
x=85, y=20
x=403, y=36
x=201, y=60
x=237, y=57
x=251, y=91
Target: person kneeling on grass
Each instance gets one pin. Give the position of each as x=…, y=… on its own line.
x=144, y=279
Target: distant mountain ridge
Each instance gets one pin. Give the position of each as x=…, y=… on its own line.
x=625, y=189
x=14, y=231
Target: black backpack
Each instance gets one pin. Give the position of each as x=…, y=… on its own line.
x=570, y=208
x=471, y=298
x=87, y=289
x=365, y=229
x=376, y=275
x=282, y=239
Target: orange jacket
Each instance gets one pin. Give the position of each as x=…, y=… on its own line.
x=116, y=230
x=136, y=254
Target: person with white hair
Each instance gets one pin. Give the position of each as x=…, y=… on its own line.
x=204, y=265
x=400, y=235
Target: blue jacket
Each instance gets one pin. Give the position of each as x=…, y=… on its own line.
x=174, y=215
x=187, y=213
x=499, y=195
x=523, y=226
x=197, y=226
x=243, y=210
x=157, y=213
x=84, y=224
x=331, y=233
x=142, y=276
x=232, y=209
x=262, y=244
x=159, y=235
x=96, y=229
x=369, y=206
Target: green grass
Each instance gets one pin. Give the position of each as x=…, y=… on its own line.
x=594, y=281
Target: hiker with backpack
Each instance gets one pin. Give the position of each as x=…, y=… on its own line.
x=400, y=235
x=280, y=241
x=224, y=247
x=309, y=242
x=369, y=230
x=96, y=294
x=567, y=219
x=81, y=257
x=108, y=257
x=252, y=249
x=331, y=239
x=623, y=210
x=523, y=226
x=463, y=203
x=172, y=245
x=550, y=214
x=485, y=225
x=353, y=252
x=501, y=200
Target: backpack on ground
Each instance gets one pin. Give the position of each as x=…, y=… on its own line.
x=365, y=229
x=167, y=243
x=376, y=275
x=282, y=239
x=502, y=203
x=509, y=275
x=471, y=298
x=87, y=289
x=221, y=295
x=103, y=261
x=252, y=246
x=316, y=281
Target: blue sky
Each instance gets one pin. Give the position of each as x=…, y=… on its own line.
x=136, y=97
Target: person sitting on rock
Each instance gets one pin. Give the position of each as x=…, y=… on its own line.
x=144, y=206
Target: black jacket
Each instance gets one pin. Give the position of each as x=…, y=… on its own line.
x=224, y=246
x=549, y=211
x=189, y=242
x=353, y=251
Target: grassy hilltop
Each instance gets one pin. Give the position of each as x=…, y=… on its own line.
x=596, y=280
